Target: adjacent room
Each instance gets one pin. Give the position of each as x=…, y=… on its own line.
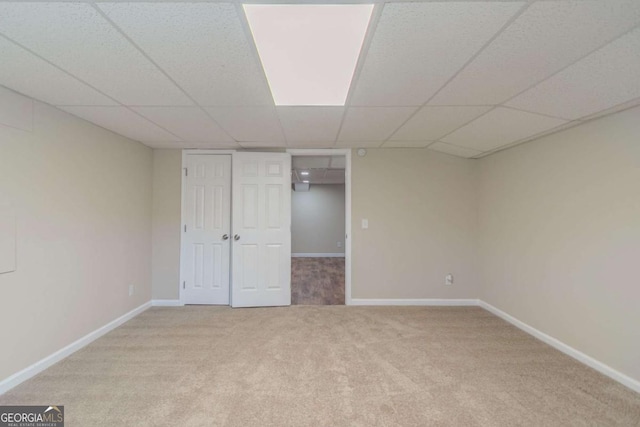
x=318, y=230
x=316, y=213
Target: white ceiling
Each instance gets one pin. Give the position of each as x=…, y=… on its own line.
x=320, y=169
x=464, y=78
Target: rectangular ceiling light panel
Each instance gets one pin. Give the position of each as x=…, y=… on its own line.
x=309, y=52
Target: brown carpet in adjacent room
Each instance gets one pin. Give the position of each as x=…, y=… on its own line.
x=317, y=281
x=325, y=366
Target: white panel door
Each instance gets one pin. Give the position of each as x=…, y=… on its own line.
x=261, y=246
x=207, y=230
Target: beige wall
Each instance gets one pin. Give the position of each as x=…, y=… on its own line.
x=167, y=166
x=560, y=237
x=318, y=219
x=421, y=207
x=545, y=231
x=82, y=197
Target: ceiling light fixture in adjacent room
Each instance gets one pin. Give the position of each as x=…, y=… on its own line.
x=304, y=173
x=309, y=52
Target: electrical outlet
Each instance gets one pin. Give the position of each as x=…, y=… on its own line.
x=339, y=244
x=131, y=289
x=448, y=279
x=365, y=224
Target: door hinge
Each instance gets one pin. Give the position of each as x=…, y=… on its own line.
x=184, y=284
x=185, y=228
x=186, y=172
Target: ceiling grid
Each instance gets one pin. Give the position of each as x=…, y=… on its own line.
x=467, y=78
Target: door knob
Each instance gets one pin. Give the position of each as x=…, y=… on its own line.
x=225, y=236
x=236, y=237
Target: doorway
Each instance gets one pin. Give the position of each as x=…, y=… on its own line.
x=320, y=229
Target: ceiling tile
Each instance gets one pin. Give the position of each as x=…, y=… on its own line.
x=319, y=175
x=454, y=150
x=15, y=110
x=315, y=175
x=314, y=144
x=203, y=46
x=122, y=121
x=335, y=174
x=406, y=144
x=358, y=144
x=418, y=46
x=338, y=162
x=193, y=145
x=310, y=162
x=263, y=144
x=310, y=124
x=191, y=124
x=499, y=127
x=79, y=40
x=607, y=77
x=168, y=145
x=431, y=123
x=372, y=123
x=37, y=78
x=255, y=124
x=546, y=37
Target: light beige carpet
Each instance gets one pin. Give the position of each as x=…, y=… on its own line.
x=325, y=366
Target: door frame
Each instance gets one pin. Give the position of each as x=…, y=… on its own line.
x=183, y=184
x=346, y=152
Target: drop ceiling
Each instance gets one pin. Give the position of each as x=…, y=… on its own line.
x=318, y=169
x=464, y=78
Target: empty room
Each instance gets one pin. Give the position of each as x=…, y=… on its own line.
x=465, y=251
x=318, y=224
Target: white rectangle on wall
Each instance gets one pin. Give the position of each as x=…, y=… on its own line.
x=7, y=240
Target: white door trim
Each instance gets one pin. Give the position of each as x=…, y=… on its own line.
x=183, y=216
x=347, y=211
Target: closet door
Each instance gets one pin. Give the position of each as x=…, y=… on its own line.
x=261, y=247
x=206, y=230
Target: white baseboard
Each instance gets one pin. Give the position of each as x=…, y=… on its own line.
x=317, y=255
x=570, y=351
x=166, y=303
x=423, y=301
x=19, y=377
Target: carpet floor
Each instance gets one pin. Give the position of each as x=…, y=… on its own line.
x=317, y=281
x=325, y=366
